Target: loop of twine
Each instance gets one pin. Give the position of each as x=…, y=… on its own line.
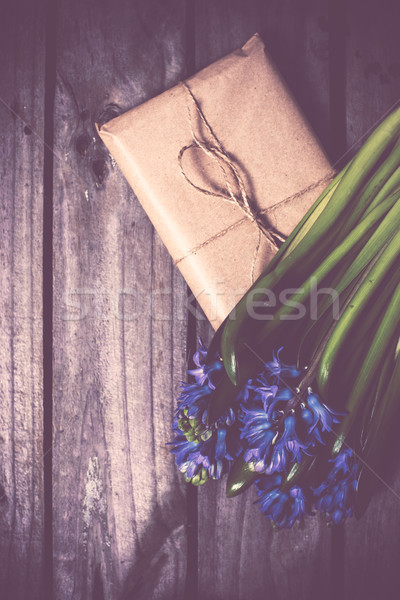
x=227, y=166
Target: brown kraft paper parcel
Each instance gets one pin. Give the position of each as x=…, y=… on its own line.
x=185, y=189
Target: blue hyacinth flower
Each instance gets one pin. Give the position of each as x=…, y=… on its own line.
x=336, y=495
x=290, y=440
x=272, y=439
x=199, y=459
x=270, y=425
x=193, y=401
x=277, y=402
x=324, y=417
x=282, y=508
x=265, y=393
x=259, y=433
x=278, y=370
x=319, y=417
x=204, y=371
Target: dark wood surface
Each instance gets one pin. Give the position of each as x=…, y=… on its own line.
x=22, y=76
x=119, y=344
x=109, y=517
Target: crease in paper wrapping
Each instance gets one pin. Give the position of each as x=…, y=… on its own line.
x=253, y=115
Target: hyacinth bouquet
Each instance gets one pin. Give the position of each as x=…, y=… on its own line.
x=300, y=385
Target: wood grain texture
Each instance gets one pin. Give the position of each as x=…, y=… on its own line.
x=296, y=38
x=21, y=201
x=372, y=64
x=119, y=322
x=240, y=555
x=372, y=544
x=120, y=317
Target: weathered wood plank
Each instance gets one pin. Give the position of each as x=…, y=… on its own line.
x=240, y=556
x=296, y=37
x=21, y=202
x=372, y=544
x=119, y=327
x=373, y=65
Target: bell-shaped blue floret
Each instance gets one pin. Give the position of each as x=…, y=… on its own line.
x=336, y=495
x=282, y=507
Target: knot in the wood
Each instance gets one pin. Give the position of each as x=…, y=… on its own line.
x=84, y=114
x=82, y=144
x=109, y=112
x=99, y=169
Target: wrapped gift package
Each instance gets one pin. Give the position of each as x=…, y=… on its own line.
x=210, y=158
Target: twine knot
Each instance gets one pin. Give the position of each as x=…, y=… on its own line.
x=233, y=181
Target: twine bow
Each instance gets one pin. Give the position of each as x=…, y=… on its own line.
x=232, y=179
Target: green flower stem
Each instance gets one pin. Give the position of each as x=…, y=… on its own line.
x=387, y=227
x=302, y=228
x=376, y=242
x=391, y=185
x=291, y=241
x=322, y=233
x=379, y=434
x=229, y=330
x=374, y=186
x=385, y=390
x=345, y=282
x=384, y=136
x=226, y=388
x=348, y=363
x=367, y=373
x=336, y=342
x=317, y=330
x=376, y=397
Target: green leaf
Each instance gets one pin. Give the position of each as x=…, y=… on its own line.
x=377, y=188
x=367, y=288
x=392, y=185
x=357, y=346
x=380, y=433
x=298, y=473
x=378, y=393
x=240, y=478
x=378, y=238
x=364, y=381
x=323, y=230
x=318, y=328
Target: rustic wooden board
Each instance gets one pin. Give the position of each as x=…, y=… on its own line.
x=240, y=555
x=296, y=37
x=121, y=509
x=372, y=544
x=119, y=323
x=21, y=202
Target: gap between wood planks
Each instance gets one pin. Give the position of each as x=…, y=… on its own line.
x=50, y=86
x=192, y=529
